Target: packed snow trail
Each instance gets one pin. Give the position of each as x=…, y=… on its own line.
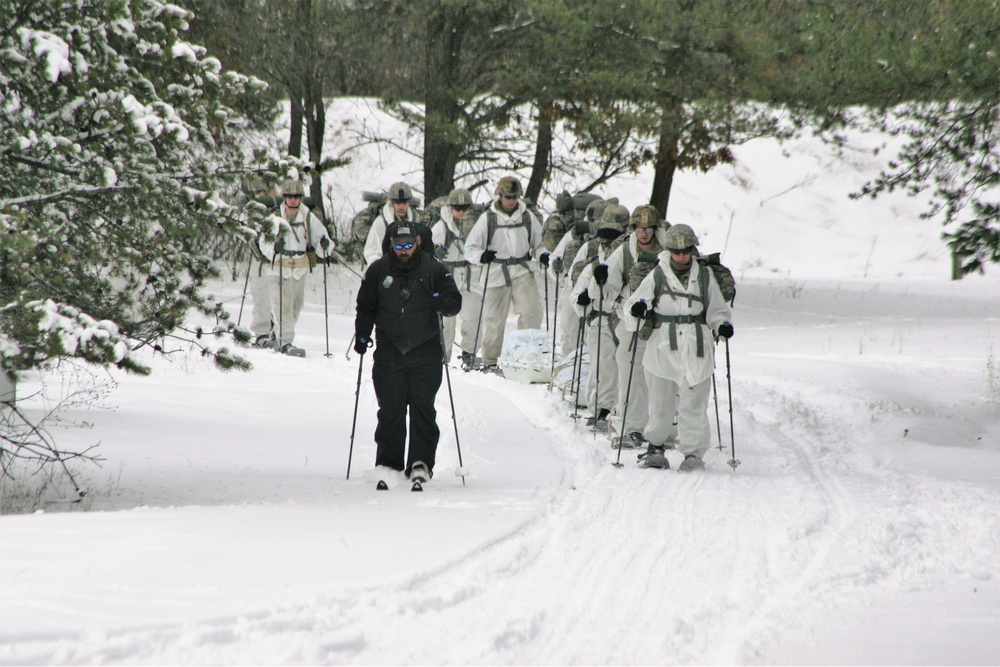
x=629, y=566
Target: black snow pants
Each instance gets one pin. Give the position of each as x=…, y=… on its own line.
x=407, y=382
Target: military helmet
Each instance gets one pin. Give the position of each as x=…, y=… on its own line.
x=399, y=191
x=292, y=186
x=615, y=216
x=679, y=237
x=509, y=185
x=459, y=197
x=646, y=216
x=595, y=210
x=251, y=185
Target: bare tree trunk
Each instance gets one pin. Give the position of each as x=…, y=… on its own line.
x=316, y=131
x=295, y=125
x=666, y=160
x=443, y=51
x=541, y=165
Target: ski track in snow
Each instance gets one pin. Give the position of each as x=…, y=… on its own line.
x=629, y=566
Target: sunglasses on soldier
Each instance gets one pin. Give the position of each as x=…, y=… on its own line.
x=510, y=196
x=403, y=246
x=460, y=208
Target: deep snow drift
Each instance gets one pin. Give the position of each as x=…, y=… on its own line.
x=862, y=525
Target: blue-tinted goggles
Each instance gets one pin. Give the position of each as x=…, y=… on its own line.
x=402, y=246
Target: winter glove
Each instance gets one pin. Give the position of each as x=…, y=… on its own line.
x=279, y=246
x=638, y=309
x=436, y=302
x=557, y=265
x=543, y=260
x=361, y=344
x=601, y=273
x=726, y=330
x=583, y=299
x=488, y=256
x=440, y=251
x=324, y=243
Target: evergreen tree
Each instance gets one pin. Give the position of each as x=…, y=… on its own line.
x=115, y=132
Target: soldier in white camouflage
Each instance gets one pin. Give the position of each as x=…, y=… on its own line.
x=507, y=239
x=628, y=264
x=597, y=306
x=680, y=307
x=397, y=209
x=449, y=232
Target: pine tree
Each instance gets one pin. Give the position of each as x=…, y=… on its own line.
x=115, y=130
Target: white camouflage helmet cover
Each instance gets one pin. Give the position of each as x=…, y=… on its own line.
x=679, y=237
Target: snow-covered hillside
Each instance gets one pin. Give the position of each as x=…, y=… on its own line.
x=861, y=527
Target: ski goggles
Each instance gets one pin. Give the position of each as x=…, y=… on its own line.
x=403, y=246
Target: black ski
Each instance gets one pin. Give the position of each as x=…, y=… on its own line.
x=417, y=485
x=381, y=486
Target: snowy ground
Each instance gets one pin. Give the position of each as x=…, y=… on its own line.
x=861, y=527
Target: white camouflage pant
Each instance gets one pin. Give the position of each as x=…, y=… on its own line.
x=690, y=405
x=602, y=383
x=471, y=305
x=260, y=294
x=523, y=294
x=638, y=395
x=288, y=295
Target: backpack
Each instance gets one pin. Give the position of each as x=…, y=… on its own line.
x=362, y=221
x=723, y=276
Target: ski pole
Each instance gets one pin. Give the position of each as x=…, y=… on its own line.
x=245, y=284
x=354, y=421
x=281, y=295
x=628, y=390
x=718, y=424
x=579, y=375
x=597, y=371
x=733, y=462
x=545, y=272
x=482, y=307
x=350, y=346
x=555, y=320
x=326, y=308
x=451, y=398
x=337, y=257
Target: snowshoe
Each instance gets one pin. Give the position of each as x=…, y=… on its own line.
x=599, y=422
x=633, y=440
x=691, y=463
x=493, y=369
x=468, y=361
x=381, y=486
x=292, y=351
x=654, y=457
x=265, y=341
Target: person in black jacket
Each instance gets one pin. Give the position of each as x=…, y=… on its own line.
x=401, y=297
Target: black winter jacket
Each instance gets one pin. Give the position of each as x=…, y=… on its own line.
x=397, y=300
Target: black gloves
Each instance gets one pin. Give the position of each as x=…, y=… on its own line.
x=361, y=344
x=279, y=246
x=488, y=256
x=436, y=302
x=324, y=243
x=726, y=330
x=440, y=251
x=557, y=265
x=601, y=273
x=583, y=299
x=543, y=260
x=638, y=309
